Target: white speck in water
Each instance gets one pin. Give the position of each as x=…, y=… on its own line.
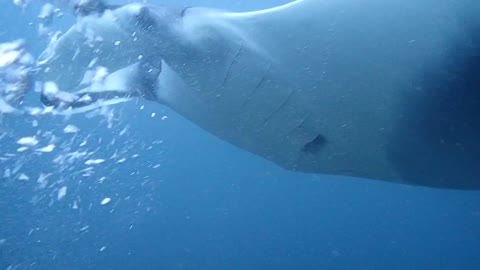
x=94, y=161
x=71, y=129
x=100, y=74
x=20, y=3
x=17, y=168
x=50, y=88
x=46, y=149
x=121, y=160
x=23, y=177
x=116, y=43
x=42, y=180
x=153, y=114
x=164, y=117
x=9, y=57
x=47, y=110
x=34, y=123
x=142, y=107
x=123, y=131
x=102, y=248
x=35, y=111
x=105, y=201
x=22, y=149
x=75, y=205
x=93, y=62
x=62, y=192
x=28, y=141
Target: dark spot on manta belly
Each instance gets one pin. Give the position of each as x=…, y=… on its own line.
x=315, y=145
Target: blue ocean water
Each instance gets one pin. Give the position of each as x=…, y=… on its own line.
x=182, y=199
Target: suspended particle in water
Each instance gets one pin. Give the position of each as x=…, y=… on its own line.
x=105, y=201
x=62, y=192
x=94, y=161
x=28, y=141
x=71, y=129
x=47, y=149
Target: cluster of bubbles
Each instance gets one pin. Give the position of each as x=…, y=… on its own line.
x=17, y=67
x=15, y=74
x=72, y=3
x=74, y=183
x=77, y=168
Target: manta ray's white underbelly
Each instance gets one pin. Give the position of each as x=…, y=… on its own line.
x=269, y=110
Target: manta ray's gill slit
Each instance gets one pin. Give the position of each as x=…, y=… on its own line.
x=229, y=69
x=259, y=84
x=278, y=108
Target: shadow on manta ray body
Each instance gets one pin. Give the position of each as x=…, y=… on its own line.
x=385, y=90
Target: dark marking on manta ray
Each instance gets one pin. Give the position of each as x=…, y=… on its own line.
x=315, y=145
x=257, y=86
x=278, y=108
x=229, y=69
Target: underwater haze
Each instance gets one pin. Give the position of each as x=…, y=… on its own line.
x=136, y=186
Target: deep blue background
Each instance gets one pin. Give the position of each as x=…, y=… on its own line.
x=210, y=205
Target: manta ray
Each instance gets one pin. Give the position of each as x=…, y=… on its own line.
x=378, y=89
